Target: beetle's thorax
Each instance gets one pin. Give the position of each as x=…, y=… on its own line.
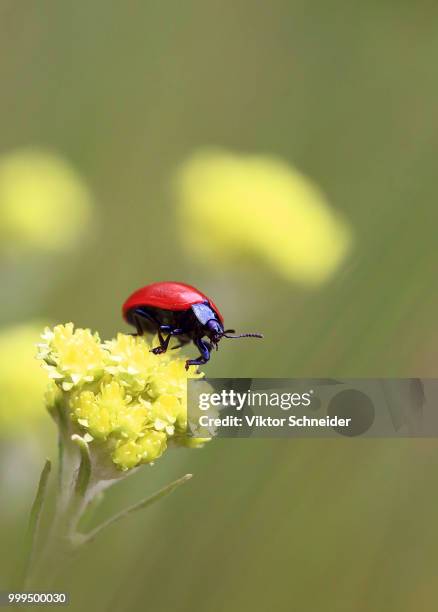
x=207, y=322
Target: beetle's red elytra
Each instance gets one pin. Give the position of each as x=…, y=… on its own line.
x=168, y=296
x=178, y=310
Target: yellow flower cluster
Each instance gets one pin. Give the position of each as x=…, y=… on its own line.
x=260, y=208
x=117, y=394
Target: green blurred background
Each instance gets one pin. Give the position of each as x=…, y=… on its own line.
x=346, y=91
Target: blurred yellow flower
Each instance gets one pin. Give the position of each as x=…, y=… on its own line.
x=22, y=381
x=259, y=207
x=123, y=400
x=44, y=204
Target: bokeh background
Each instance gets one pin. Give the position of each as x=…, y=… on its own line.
x=117, y=98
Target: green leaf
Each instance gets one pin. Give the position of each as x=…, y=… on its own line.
x=145, y=503
x=34, y=521
x=84, y=472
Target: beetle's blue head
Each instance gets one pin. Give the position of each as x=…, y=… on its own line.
x=215, y=330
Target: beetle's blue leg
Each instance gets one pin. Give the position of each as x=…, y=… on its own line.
x=137, y=322
x=162, y=328
x=205, y=348
x=164, y=343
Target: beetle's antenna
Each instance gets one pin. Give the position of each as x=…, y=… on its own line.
x=226, y=335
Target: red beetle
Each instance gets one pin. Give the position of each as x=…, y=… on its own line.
x=177, y=309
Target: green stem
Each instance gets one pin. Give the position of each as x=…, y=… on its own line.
x=72, y=501
x=34, y=522
x=67, y=458
x=79, y=499
x=145, y=503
